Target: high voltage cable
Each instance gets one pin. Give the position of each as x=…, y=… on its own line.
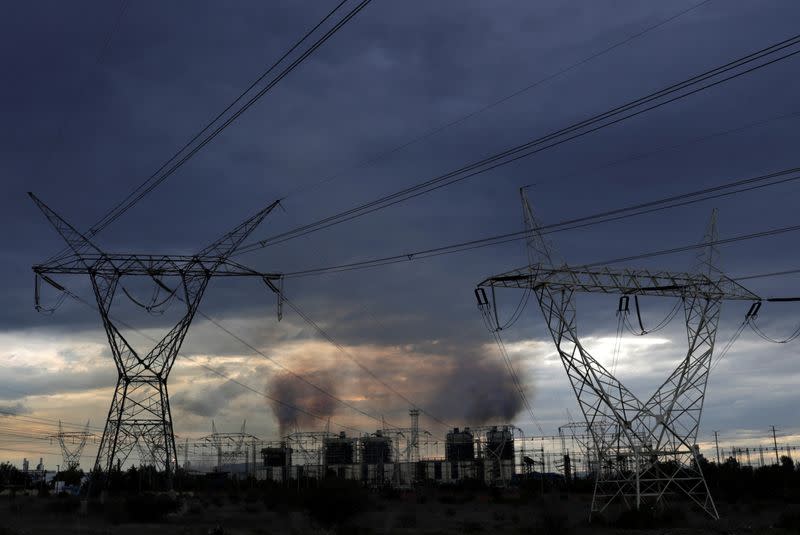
x=271, y=398
x=341, y=348
x=372, y=374
x=322, y=332
x=179, y=158
x=673, y=250
x=510, y=367
x=225, y=376
x=289, y=370
x=436, y=130
x=572, y=221
x=706, y=80
x=765, y=275
x=149, y=185
x=134, y=196
x=666, y=203
x=667, y=148
x=49, y=421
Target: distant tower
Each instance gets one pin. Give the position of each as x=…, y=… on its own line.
x=72, y=444
x=413, y=444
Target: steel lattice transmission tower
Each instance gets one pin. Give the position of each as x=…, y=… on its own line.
x=230, y=448
x=649, y=450
x=139, y=416
x=72, y=444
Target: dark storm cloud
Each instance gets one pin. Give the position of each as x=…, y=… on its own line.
x=399, y=70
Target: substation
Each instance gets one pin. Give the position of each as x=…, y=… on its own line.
x=493, y=455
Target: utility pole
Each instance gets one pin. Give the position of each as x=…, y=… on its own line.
x=716, y=441
x=775, y=442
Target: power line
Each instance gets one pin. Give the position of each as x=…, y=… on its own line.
x=673, y=250
x=179, y=158
x=698, y=83
x=225, y=376
x=617, y=214
x=49, y=421
x=438, y=129
x=150, y=184
x=765, y=275
x=290, y=371
x=369, y=372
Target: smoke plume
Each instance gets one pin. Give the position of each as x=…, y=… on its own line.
x=476, y=390
x=293, y=391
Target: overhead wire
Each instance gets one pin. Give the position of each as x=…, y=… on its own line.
x=358, y=363
x=494, y=329
x=617, y=214
x=764, y=336
x=705, y=80
x=291, y=372
x=274, y=399
x=146, y=189
x=435, y=418
x=660, y=325
x=673, y=250
x=328, y=337
x=463, y=118
x=191, y=148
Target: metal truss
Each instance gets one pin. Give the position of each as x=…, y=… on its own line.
x=496, y=472
x=139, y=416
x=646, y=448
x=72, y=444
x=230, y=448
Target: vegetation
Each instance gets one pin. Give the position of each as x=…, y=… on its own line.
x=10, y=476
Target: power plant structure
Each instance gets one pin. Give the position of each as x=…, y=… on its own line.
x=139, y=415
x=648, y=452
x=485, y=454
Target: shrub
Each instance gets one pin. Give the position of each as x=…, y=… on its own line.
x=470, y=526
x=790, y=519
x=407, y=521
x=63, y=503
x=554, y=523
x=149, y=507
x=334, y=502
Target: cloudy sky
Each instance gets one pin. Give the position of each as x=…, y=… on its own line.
x=97, y=95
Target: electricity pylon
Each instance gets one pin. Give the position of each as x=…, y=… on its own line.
x=650, y=450
x=229, y=447
x=72, y=444
x=140, y=413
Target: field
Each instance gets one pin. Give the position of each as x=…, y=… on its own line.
x=338, y=508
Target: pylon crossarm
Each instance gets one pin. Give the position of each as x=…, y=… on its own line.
x=149, y=265
x=625, y=281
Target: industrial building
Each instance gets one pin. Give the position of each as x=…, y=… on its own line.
x=383, y=458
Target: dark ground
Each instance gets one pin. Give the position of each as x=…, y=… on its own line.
x=350, y=509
